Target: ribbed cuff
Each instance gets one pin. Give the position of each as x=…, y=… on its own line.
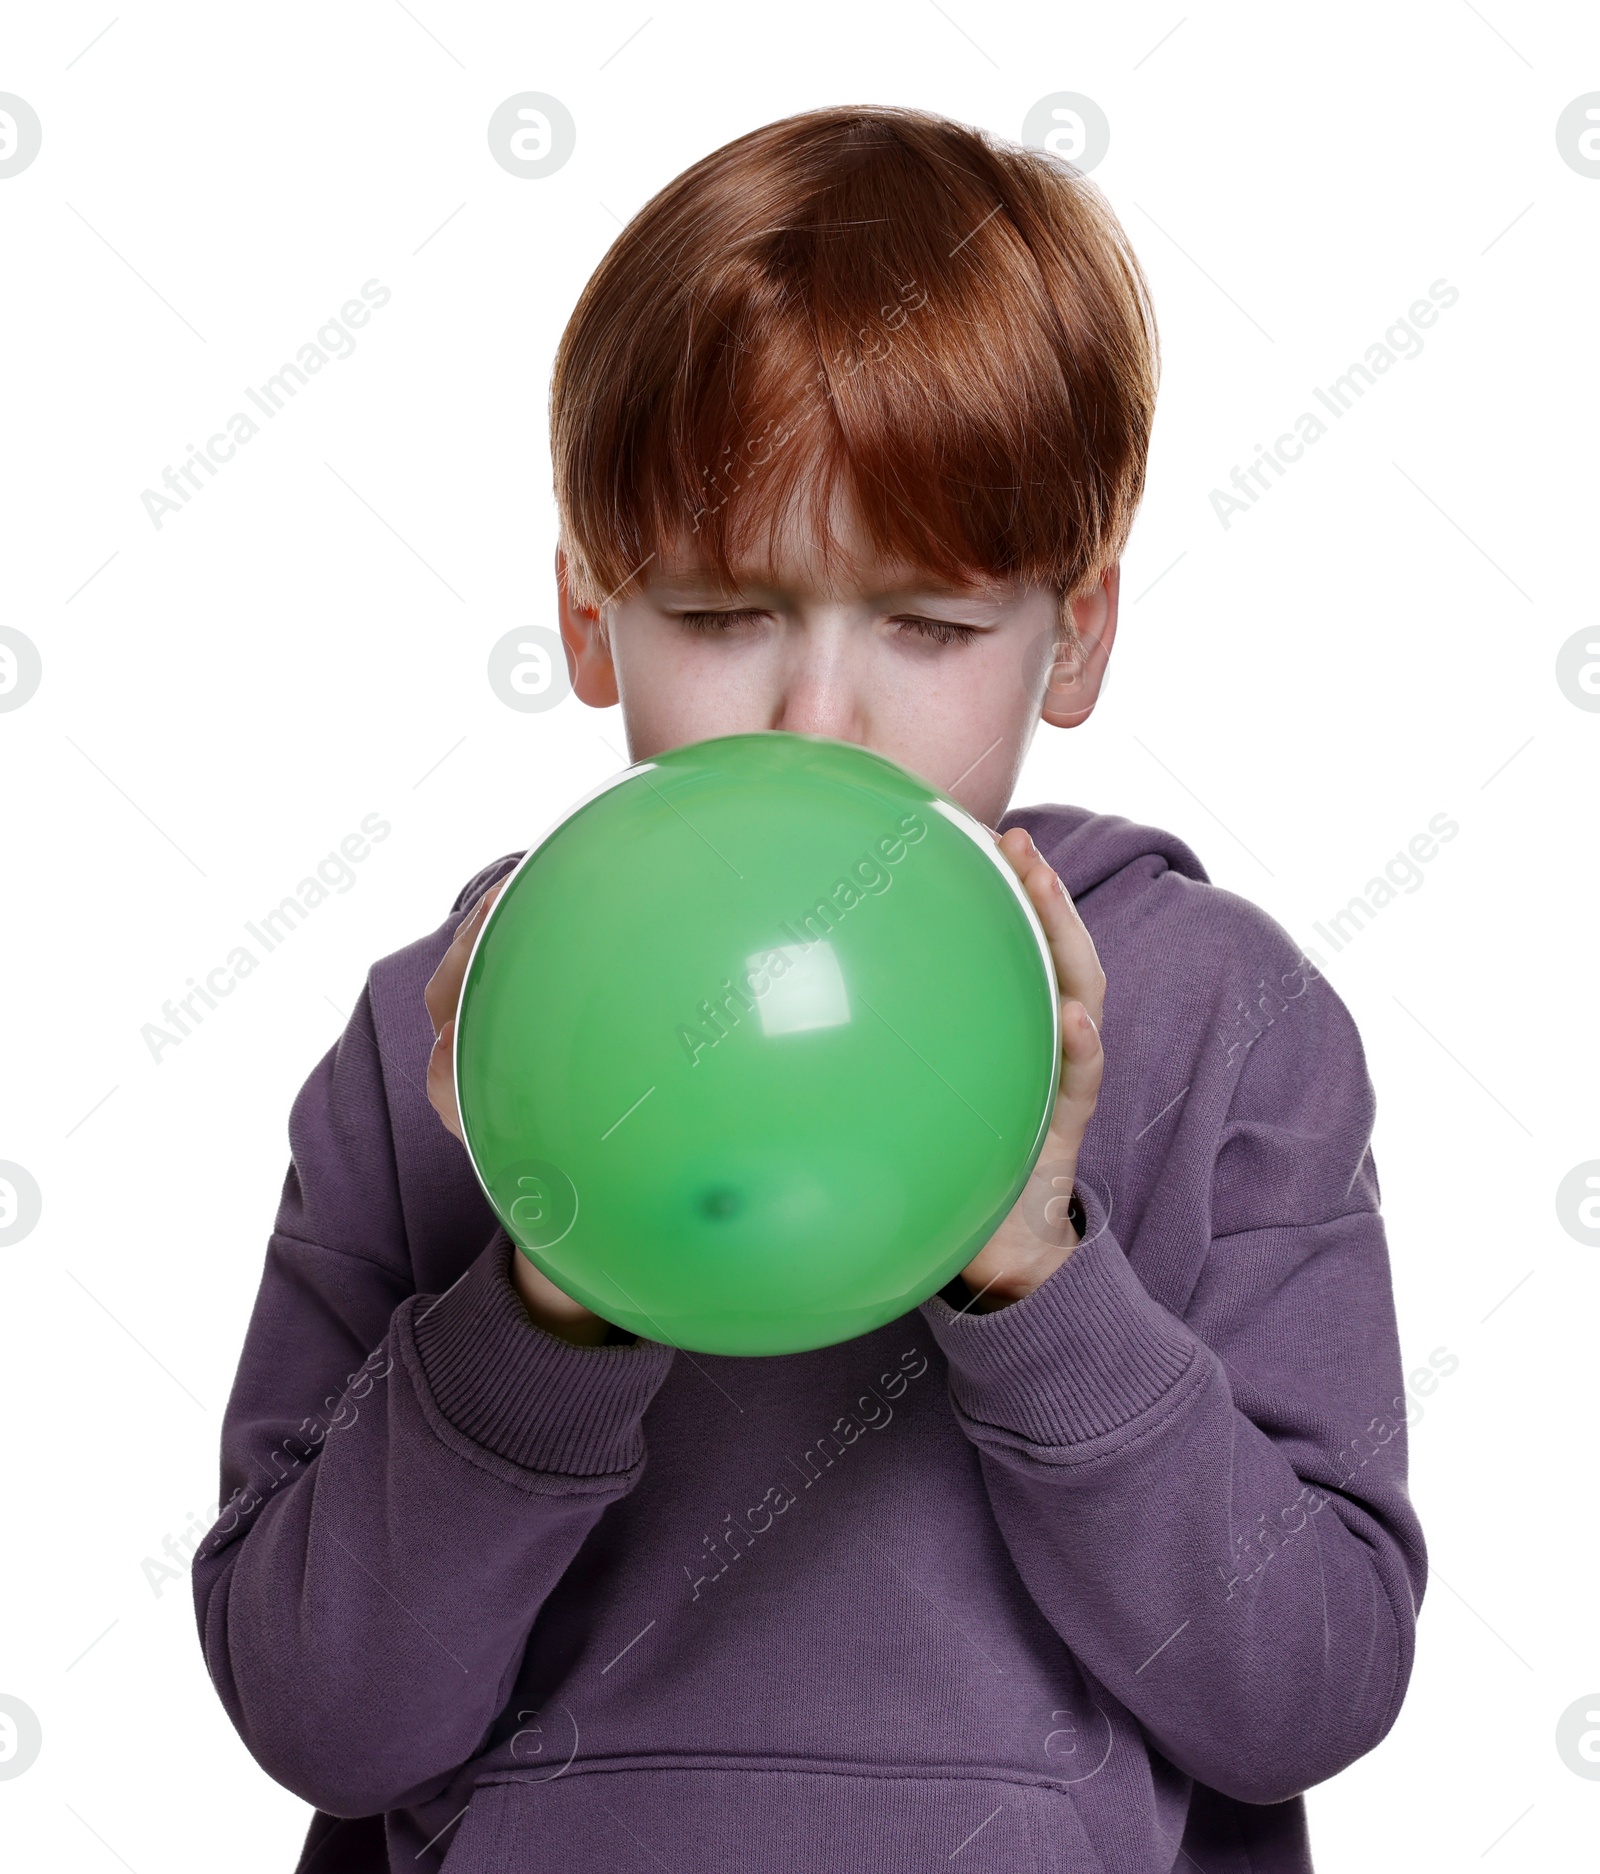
x=533, y=1398
x=1089, y=1350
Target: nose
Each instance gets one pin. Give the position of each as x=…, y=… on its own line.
x=820, y=687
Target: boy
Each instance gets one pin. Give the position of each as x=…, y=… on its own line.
x=1098, y=1558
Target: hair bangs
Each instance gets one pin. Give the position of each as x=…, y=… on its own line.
x=871, y=306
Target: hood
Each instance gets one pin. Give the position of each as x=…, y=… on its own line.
x=1087, y=848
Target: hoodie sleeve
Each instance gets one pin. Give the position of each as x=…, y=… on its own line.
x=406, y=1476
x=1212, y=1511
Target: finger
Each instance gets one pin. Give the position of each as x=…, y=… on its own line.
x=443, y=991
x=441, y=1078
x=1082, y=1069
x=1077, y=963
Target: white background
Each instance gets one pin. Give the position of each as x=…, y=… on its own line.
x=1296, y=695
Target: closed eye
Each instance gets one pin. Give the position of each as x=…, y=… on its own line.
x=709, y=622
x=938, y=630
x=941, y=631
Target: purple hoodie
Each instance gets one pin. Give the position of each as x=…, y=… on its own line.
x=1099, y=1581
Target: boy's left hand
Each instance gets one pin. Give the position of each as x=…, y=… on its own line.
x=1037, y=1237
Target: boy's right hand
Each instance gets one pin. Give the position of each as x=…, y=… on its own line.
x=550, y=1307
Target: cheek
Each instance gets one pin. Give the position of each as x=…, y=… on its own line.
x=981, y=692
x=676, y=689
x=965, y=733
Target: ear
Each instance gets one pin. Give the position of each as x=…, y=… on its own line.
x=594, y=677
x=1076, y=677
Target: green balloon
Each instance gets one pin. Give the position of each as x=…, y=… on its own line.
x=758, y=1046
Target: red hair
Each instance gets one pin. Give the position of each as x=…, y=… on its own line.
x=953, y=326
